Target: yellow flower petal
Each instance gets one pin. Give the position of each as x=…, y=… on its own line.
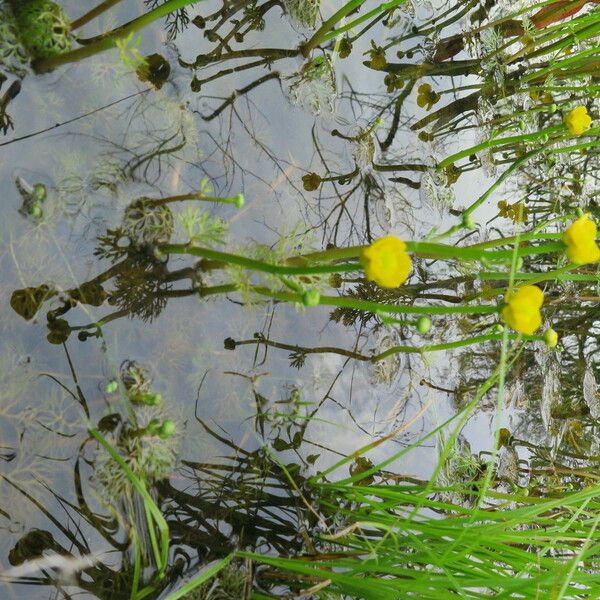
x=522, y=311
x=386, y=262
x=578, y=120
x=580, y=239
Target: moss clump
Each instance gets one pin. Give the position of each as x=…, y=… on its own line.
x=44, y=29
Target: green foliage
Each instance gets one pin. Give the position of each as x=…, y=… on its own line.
x=201, y=228
x=146, y=222
x=128, y=52
x=14, y=55
x=44, y=28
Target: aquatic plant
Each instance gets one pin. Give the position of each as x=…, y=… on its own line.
x=314, y=87
x=580, y=239
x=386, y=262
x=522, y=311
x=303, y=12
x=43, y=27
x=147, y=223
x=13, y=56
x=148, y=447
x=477, y=525
x=578, y=120
x=109, y=39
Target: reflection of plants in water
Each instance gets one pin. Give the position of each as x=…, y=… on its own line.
x=13, y=58
x=313, y=88
x=37, y=438
x=210, y=508
x=148, y=450
x=303, y=12
x=234, y=581
x=176, y=21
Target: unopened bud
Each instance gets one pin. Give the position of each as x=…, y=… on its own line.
x=239, y=200
x=550, y=338
x=423, y=325
x=167, y=429
x=311, y=297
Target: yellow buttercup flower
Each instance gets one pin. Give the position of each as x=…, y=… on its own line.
x=578, y=120
x=386, y=262
x=580, y=239
x=522, y=310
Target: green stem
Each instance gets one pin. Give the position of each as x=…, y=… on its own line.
x=327, y=32
x=515, y=139
x=257, y=265
x=576, y=36
x=195, y=196
x=491, y=276
x=492, y=337
x=92, y=14
x=369, y=306
x=475, y=205
x=567, y=62
x=108, y=40
x=531, y=278
x=372, y=13
x=304, y=265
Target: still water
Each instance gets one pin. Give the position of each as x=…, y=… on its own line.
x=250, y=384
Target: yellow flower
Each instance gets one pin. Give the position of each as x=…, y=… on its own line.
x=580, y=239
x=578, y=120
x=386, y=262
x=522, y=311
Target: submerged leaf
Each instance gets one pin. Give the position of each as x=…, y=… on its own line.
x=27, y=301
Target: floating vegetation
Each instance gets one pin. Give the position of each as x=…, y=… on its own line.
x=44, y=29
x=366, y=331
x=147, y=223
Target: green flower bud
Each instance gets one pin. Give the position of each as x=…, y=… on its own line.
x=167, y=429
x=39, y=192
x=498, y=328
x=158, y=254
x=551, y=338
x=149, y=399
x=239, y=200
x=423, y=325
x=153, y=428
x=36, y=211
x=112, y=386
x=345, y=48
x=311, y=297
